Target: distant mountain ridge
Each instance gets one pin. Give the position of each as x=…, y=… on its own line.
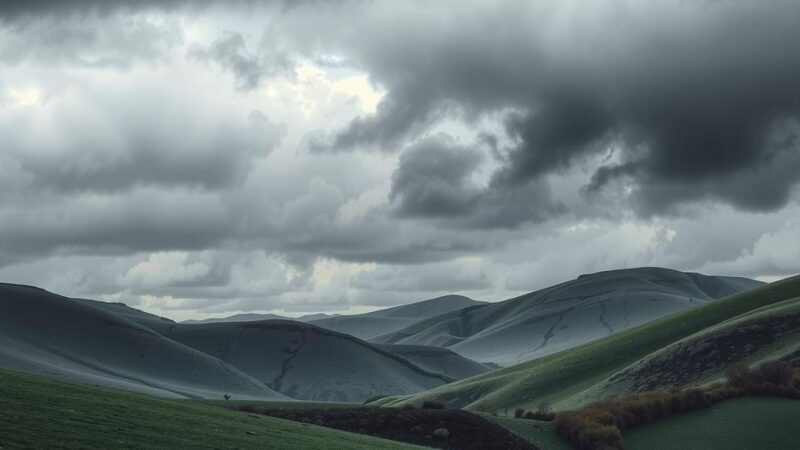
x=254, y=317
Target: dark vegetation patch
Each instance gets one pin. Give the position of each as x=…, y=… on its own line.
x=543, y=412
x=432, y=404
x=600, y=426
x=687, y=362
x=431, y=427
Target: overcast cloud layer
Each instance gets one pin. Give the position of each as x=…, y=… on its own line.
x=198, y=158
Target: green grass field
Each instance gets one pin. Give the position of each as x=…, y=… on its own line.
x=282, y=404
x=568, y=379
x=751, y=423
x=36, y=412
x=537, y=432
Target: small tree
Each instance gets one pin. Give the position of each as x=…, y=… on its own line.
x=227, y=396
x=544, y=408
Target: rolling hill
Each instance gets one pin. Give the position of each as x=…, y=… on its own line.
x=59, y=337
x=37, y=412
x=307, y=362
x=607, y=366
x=766, y=333
x=565, y=315
x=120, y=309
x=377, y=323
x=438, y=360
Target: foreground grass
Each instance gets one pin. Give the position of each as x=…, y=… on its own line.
x=541, y=434
x=567, y=378
x=746, y=423
x=40, y=413
x=278, y=404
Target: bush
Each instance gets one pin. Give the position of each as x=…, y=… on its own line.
x=600, y=426
x=738, y=374
x=779, y=373
x=519, y=412
x=432, y=404
x=543, y=407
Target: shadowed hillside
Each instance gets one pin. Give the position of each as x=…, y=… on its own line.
x=48, y=334
x=307, y=362
x=438, y=360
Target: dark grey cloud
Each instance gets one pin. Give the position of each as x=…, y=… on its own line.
x=10, y=9
x=130, y=169
x=144, y=220
x=433, y=180
x=230, y=52
x=692, y=100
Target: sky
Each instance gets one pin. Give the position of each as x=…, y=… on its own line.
x=204, y=158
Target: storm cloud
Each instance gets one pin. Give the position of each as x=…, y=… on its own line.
x=206, y=157
x=433, y=180
x=693, y=95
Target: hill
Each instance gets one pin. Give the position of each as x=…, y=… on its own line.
x=567, y=314
x=59, y=337
x=307, y=362
x=120, y=309
x=766, y=333
x=370, y=325
x=438, y=360
x=36, y=412
x=750, y=422
x=582, y=374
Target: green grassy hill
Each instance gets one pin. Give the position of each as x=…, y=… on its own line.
x=40, y=413
x=542, y=434
x=746, y=423
x=572, y=377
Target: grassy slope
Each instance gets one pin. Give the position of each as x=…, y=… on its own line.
x=278, y=404
x=39, y=413
x=746, y=423
x=564, y=377
x=785, y=307
x=785, y=341
x=537, y=432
